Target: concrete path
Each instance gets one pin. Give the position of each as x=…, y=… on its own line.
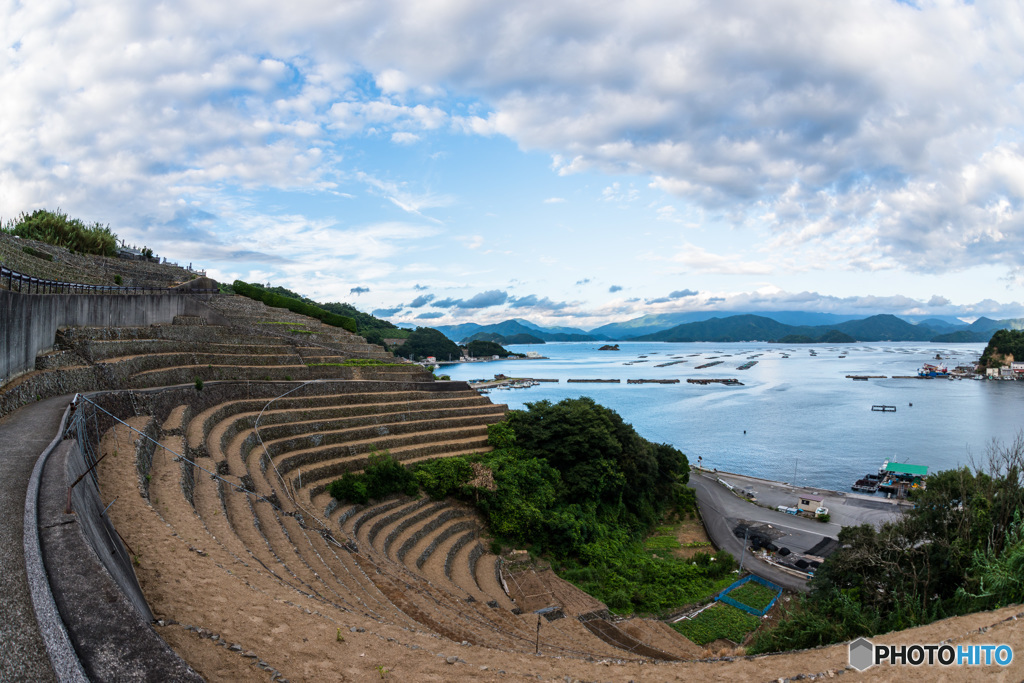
x=24, y=434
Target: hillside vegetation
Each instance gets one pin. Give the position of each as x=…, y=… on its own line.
x=56, y=228
x=1004, y=346
x=275, y=300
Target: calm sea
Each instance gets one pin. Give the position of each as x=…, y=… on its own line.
x=795, y=418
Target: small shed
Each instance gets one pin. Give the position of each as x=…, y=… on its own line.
x=809, y=503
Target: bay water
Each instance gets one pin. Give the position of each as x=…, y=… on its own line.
x=797, y=419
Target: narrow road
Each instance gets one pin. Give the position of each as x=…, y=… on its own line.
x=24, y=434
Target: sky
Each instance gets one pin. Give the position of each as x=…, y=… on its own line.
x=571, y=163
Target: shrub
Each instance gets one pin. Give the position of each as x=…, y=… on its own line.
x=199, y=384
x=501, y=435
x=385, y=475
x=351, y=488
x=444, y=476
x=54, y=227
x=118, y=280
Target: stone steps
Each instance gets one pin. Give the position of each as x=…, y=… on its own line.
x=302, y=451
x=419, y=562
x=186, y=374
x=317, y=478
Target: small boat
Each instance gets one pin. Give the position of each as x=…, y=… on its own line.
x=867, y=484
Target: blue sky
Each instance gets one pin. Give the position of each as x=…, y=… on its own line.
x=573, y=163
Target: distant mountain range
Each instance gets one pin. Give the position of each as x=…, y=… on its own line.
x=723, y=327
x=510, y=328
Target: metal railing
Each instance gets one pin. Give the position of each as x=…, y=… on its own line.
x=35, y=285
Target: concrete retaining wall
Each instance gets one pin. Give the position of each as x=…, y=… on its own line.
x=29, y=322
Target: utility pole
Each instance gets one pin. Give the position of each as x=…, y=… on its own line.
x=743, y=552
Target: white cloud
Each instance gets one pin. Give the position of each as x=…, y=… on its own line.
x=402, y=198
x=404, y=138
x=866, y=135
x=699, y=260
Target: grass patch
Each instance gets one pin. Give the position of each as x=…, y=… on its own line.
x=274, y=322
x=663, y=539
x=295, y=331
x=718, y=621
x=629, y=579
x=753, y=595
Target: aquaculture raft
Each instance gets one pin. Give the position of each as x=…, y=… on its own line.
x=729, y=382
x=652, y=381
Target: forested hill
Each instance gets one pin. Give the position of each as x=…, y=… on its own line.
x=741, y=328
x=1004, y=346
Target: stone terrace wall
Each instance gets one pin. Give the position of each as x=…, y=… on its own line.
x=29, y=322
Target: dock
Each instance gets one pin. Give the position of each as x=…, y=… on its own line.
x=862, y=377
x=596, y=381
x=883, y=409
x=710, y=365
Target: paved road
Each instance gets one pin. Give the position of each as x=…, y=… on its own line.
x=845, y=509
x=24, y=434
x=721, y=511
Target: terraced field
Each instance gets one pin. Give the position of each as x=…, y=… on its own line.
x=255, y=496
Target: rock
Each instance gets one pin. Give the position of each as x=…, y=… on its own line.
x=452, y=660
x=235, y=647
